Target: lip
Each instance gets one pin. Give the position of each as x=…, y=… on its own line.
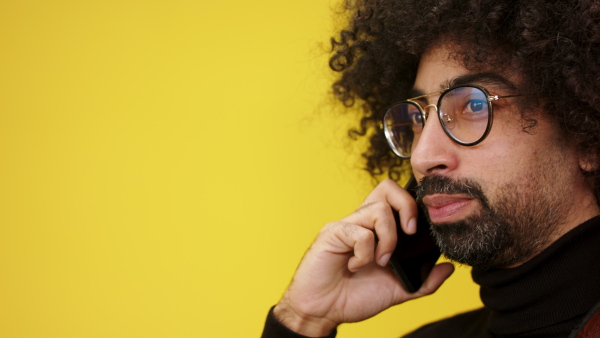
x=448, y=208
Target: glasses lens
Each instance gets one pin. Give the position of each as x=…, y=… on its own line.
x=464, y=112
x=401, y=124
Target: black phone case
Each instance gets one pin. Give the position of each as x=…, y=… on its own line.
x=415, y=255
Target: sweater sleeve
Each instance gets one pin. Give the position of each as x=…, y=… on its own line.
x=274, y=329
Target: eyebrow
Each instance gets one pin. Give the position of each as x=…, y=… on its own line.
x=483, y=79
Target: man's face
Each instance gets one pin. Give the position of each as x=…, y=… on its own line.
x=502, y=201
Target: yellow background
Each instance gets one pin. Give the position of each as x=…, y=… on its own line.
x=165, y=164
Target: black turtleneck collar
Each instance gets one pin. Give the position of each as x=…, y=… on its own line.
x=549, y=294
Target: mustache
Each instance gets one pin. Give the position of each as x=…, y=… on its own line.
x=439, y=184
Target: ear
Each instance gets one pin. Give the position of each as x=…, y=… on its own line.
x=588, y=163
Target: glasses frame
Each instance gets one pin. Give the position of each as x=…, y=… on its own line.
x=425, y=116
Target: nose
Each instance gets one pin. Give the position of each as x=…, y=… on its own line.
x=434, y=153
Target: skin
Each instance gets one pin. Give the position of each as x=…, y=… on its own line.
x=344, y=276
x=540, y=163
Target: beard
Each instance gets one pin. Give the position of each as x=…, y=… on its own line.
x=518, y=225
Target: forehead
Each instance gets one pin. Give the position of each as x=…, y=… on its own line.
x=438, y=69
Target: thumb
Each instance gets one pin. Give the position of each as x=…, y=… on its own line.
x=436, y=278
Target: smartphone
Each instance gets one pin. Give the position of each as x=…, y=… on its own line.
x=415, y=255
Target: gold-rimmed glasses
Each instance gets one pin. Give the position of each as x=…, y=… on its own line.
x=465, y=113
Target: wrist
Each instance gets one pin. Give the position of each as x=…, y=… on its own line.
x=302, y=324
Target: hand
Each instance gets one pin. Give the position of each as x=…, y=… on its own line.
x=344, y=275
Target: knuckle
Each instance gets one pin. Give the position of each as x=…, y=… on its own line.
x=363, y=207
x=366, y=236
x=374, y=207
x=328, y=228
x=381, y=207
x=346, y=229
x=388, y=181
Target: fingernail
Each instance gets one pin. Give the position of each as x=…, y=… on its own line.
x=384, y=259
x=412, y=226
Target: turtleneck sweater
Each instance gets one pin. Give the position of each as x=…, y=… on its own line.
x=547, y=296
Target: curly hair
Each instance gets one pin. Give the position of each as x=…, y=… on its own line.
x=554, y=43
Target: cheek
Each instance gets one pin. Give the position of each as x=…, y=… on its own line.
x=538, y=163
x=511, y=162
x=492, y=161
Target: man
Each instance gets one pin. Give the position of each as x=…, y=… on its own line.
x=495, y=105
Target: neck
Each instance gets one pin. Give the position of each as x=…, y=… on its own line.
x=552, y=290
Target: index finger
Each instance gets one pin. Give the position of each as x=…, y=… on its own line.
x=400, y=200
x=376, y=214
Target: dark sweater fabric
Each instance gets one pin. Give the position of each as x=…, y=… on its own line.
x=547, y=296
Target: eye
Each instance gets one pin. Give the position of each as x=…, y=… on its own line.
x=475, y=107
x=416, y=118
x=416, y=121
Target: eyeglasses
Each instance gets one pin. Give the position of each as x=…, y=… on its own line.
x=465, y=113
